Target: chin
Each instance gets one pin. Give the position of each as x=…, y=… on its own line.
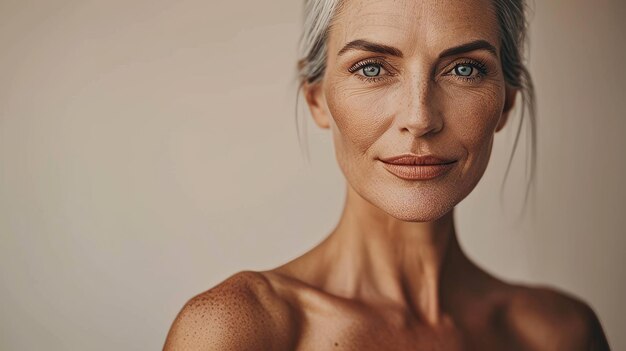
x=415, y=205
x=416, y=212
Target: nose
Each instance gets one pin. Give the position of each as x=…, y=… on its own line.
x=421, y=116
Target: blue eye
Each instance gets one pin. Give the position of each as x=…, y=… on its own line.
x=463, y=70
x=371, y=70
x=470, y=70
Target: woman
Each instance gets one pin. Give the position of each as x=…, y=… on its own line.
x=413, y=92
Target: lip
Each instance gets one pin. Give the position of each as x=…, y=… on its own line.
x=412, y=159
x=417, y=167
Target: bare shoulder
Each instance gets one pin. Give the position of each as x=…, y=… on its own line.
x=241, y=313
x=546, y=318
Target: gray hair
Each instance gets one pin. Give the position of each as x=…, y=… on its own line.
x=318, y=20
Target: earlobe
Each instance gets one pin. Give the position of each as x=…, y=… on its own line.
x=314, y=95
x=509, y=102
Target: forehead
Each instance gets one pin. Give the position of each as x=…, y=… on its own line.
x=415, y=25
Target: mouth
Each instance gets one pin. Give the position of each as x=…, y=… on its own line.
x=411, y=159
x=415, y=167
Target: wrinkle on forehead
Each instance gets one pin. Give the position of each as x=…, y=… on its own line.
x=414, y=25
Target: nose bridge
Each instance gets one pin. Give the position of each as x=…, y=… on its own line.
x=421, y=116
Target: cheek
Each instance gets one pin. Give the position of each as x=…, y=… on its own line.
x=471, y=119
x=361, y=116
x=471, y=115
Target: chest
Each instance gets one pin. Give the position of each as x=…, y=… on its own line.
x=348, y=333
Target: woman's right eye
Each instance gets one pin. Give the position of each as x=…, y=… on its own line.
x=372, y=71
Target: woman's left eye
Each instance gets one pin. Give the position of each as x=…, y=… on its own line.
x=463, y=70
x=469, y=71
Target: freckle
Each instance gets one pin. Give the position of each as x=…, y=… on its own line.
x=336, y=343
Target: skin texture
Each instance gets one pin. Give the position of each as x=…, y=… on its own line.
x=392, y=275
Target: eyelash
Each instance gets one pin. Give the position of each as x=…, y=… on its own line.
x=369, y=62
x=480, y=66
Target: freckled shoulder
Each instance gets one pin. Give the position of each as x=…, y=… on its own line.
x=241, y=313
x=545, y=318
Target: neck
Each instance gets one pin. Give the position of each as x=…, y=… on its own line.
x=376, y=257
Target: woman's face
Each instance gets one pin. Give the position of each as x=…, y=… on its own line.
x=426, y=79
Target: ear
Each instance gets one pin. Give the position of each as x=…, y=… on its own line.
x=509, y=102
x=314, y=95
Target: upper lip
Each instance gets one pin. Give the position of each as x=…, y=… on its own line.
x=412, y=159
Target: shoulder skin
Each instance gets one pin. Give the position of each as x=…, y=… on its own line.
x=544, y=318
x=241, y=313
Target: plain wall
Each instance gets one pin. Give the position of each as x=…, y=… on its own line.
x=148, y=150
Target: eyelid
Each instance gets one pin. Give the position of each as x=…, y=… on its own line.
x=372, y=61
x=480, y=66
x=369, y=61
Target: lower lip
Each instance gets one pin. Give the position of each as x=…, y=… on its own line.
x=418, y=172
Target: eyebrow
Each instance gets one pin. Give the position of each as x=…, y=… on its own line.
x=365, y=45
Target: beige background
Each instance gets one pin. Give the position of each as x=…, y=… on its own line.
x=148, y=150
